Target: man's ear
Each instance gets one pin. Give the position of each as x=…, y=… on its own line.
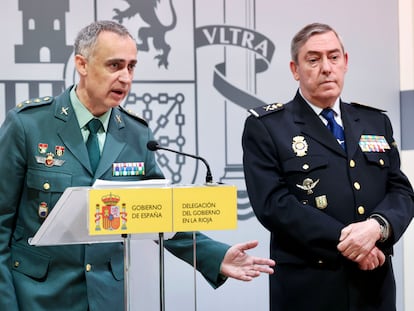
x=346, y=61
x=294, y=70
x=81, y=65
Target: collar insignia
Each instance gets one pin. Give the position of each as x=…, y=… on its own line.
x=118, y=119
x=64, y=111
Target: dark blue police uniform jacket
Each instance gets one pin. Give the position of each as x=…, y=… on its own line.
x=304, y=188
x=56, y=278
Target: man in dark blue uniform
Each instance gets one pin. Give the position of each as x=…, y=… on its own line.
x=43, y=151
x=323, y=176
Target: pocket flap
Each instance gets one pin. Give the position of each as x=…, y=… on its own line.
x=57, y=181
x=378, y=158
x=305, y=164
x=30, y=263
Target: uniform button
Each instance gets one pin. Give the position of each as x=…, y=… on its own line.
x=305, y=166
x=381, y=161
x=88, y=267
x=46, y=186
x=16, y=264
x=352, y=163
x=357, y=186
x=361, y=210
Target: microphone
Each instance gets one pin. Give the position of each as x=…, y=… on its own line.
x=153, y=146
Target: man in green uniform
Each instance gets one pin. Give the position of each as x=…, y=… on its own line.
x=43, y=149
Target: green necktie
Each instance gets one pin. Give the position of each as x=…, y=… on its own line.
x=92, y=144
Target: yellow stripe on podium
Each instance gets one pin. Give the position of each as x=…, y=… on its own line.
x=162, y=209
x=205, y=208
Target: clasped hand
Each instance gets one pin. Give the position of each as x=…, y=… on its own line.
x=357, y=243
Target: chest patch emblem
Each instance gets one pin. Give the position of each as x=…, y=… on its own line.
x=299, y=146
x=308, y=184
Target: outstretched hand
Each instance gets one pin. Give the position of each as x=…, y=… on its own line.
x=239, y=265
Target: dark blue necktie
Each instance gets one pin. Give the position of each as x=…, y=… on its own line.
x=333, y=126
x=92, y=144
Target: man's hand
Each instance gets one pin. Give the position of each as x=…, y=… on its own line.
x=374, y=259
x=357, y=240
x=239, y=265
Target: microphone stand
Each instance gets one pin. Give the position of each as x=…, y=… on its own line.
x=162, y=271
x=127, y=260
x=153, y=146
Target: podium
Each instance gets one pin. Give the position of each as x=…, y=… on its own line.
x=154, y=209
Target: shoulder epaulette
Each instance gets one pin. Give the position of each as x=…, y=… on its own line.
x=34, y=102
x=367, y=107
x=133, y=115
x=264, y=110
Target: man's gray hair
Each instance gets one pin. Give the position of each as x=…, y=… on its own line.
x=305, y=33
x=86, y=39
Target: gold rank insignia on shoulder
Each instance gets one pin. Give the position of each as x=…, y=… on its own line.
x=264, y=110
x=373, y=143
x=299, y=146
x=35, y=102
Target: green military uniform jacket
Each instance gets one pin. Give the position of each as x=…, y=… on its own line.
x=42, y=153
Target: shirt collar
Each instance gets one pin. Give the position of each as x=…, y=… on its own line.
x=83, y=115
x=336, y=107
